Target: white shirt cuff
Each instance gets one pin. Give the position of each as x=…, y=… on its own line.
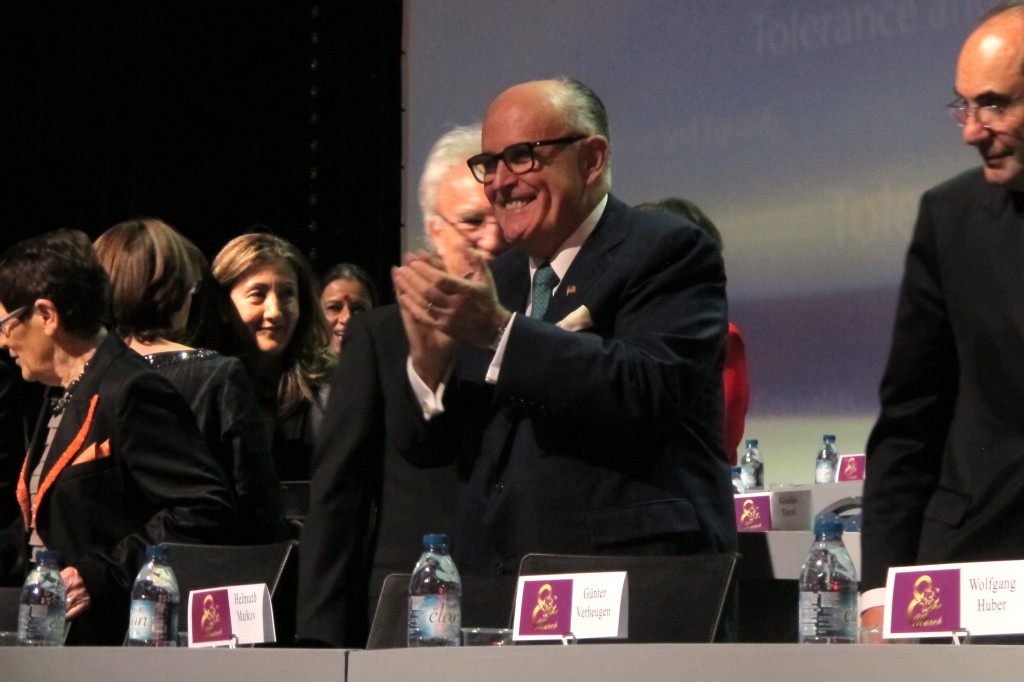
x=430, y=401
x=494, y=369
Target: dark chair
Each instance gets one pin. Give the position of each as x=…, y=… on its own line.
x=671, y=598
x=390, y=626
x=295, y=499
x=9, y=603
x=199, y=567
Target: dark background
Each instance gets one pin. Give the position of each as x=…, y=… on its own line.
x=213, y=116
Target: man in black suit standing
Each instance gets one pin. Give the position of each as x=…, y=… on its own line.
x=369, y=507
x=584, y=409
x=945, y=460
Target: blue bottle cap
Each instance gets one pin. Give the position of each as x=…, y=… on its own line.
x=829, y=438
x=47, y=556
x=828, y=523
x=157, y=552
x=435, y=540
x=751, y=442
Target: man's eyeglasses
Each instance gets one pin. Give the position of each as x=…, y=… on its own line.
x=519, y=158
x=469, y=225
x=987, y=116
x=5, y=324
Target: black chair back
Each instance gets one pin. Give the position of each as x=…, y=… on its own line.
x=671, y=598
x=9, y=603
x=295, y=500
x=390, y=626
x=200, y=567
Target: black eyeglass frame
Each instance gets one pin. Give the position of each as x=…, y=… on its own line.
x=5, y=323
x=479, y=164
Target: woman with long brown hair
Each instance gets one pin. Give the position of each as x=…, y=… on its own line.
x=280, y=334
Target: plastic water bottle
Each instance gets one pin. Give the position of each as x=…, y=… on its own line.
x=43, y=599
x=827, y=462
x=828, y=587
x=752, y=465
x=154, y=612
x=738, y=487
x=435, y=596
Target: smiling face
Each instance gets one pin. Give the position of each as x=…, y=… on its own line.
x=539, y=209
x=989, y=72
x=461, y=199
x=267, y=302
x=340, y=300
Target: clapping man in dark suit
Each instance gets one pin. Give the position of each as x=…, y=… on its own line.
x=369, y=507
x=588, y=420
x=945, y=460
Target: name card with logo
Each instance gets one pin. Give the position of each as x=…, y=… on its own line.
x=239, y=611
x=753, y=512
x=785, y=509
x=937, y=600
x=588, y=605
x=851, y=468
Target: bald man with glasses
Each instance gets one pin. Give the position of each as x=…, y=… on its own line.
x=576, y=379
x=945, y=459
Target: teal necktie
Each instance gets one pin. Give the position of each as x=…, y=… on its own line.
x=544, y=280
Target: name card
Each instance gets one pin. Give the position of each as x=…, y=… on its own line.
x=938, y=600
x=851, y=468
x=239, y=611
x=784, y=509
x=588, y=605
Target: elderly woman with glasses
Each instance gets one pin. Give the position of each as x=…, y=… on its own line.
x=154, y=275
x=116, y=461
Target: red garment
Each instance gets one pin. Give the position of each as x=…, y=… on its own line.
x=737, y=391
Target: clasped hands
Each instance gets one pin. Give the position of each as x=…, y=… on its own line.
x=439, y=308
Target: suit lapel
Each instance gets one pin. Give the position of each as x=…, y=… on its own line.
x=581, y=281
x=54, y=465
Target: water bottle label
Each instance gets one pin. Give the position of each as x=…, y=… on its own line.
x=140, y=620
x=749, y=477
x=828, y=615
x=824, y=472
x=436, y=616
x=41, y=624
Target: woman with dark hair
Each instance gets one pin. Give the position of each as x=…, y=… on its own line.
x=116, y=460
x=154, y=274
x=346, y=290
x=281, y=336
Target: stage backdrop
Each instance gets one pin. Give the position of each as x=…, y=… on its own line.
x=806, y=130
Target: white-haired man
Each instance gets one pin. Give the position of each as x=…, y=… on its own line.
x=369, y=508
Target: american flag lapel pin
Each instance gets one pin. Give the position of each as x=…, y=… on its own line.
x=570, y=290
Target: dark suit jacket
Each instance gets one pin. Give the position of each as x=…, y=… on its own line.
x=605, y=440
x=222, y=397
x=12, y=440
x=369, y=507
x=127, y=468
x=945, y=460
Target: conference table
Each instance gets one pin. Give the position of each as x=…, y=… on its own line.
x=767, y=579
x=639, y=662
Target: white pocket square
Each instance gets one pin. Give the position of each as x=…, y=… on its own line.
x=577, y=320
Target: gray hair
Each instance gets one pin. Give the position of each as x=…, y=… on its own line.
x=585, y=113
x=451, y=151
